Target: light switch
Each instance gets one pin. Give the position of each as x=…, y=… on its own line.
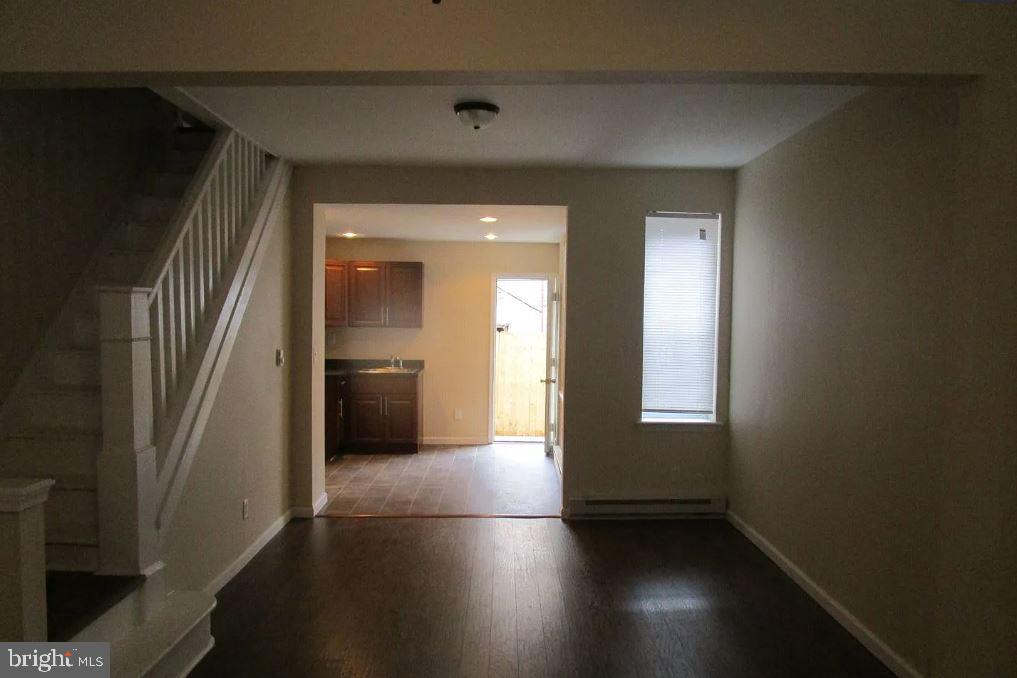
x=457, y=414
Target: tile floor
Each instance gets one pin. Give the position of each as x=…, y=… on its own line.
x=503, y=479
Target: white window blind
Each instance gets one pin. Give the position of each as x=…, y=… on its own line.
x=680, y=317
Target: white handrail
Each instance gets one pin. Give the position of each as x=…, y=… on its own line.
x=186, y=272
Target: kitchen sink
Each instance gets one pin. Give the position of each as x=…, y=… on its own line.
x=387, y=370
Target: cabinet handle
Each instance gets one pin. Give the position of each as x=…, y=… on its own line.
x=340, y=408
x=381, y=407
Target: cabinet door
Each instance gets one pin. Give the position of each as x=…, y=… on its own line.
x=367, y=294
x=335, y=294
x=404, y=282
x=367, y=423
x=400, y=419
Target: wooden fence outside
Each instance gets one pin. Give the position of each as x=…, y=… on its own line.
x=519, y=396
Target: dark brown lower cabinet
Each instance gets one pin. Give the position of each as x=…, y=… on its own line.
x=335, y=415
x=400, y=419
x=368, y=419
x=383, y=413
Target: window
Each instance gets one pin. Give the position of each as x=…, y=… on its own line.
x=682, y=261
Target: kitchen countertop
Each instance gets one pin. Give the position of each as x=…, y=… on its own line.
x=341, y=367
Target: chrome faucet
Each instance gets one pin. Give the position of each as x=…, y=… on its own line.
x=395, y=361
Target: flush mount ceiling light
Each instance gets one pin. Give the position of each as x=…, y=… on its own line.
x=491, y=236
x=476, y=114
x=489, y=220
x=349, y=234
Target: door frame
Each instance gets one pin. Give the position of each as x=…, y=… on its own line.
x=549, y=279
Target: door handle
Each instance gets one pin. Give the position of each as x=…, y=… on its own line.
x=548, y=381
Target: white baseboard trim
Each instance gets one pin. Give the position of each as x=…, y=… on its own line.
x=311, y=511
x=665, y=507
x=465, y=440
x=231, y=571
x=854, y=626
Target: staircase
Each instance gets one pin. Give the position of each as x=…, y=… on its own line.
x=114, y=404
x=52, y=423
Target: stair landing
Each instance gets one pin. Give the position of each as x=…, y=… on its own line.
x=76, y=599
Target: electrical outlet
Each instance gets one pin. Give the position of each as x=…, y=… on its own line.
x=280, y=357
x=247, y=508
x=331, y=338
x=457, y=414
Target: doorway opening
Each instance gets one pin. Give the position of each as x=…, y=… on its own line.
x=410, y=405
x=522, y=360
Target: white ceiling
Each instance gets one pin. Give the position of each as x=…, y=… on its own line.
x=641, y=125
x=516, y=223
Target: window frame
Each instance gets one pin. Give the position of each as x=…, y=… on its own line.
x=686, y=423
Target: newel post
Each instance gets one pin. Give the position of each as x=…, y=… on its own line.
x=128, y=501
x=23, y=559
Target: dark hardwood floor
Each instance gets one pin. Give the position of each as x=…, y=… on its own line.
x=521, y=597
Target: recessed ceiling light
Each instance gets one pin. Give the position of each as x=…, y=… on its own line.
x=489, y=220
x=491, y=236
x=349, y=234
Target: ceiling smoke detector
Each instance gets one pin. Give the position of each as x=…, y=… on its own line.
x=476, y=114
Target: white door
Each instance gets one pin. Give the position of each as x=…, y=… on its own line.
x=551, y=378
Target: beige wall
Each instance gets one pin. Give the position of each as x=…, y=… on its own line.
x=245, y=449
x=609, y=454
x=845, y=359
x=67, y=162
x=455, y=340
x=315, y=41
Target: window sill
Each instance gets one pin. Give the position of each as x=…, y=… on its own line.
x=682, y=424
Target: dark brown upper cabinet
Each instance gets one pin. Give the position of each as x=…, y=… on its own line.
x=404, y=289
x=336, y=308
x=386, y=293
x=367, y=294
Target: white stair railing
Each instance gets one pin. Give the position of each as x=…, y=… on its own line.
x=154, y=341
x=187, y=271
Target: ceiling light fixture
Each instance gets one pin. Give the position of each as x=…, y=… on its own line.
x=476, y=114
x=489, y=220
x=491, y=236
x=349, y=234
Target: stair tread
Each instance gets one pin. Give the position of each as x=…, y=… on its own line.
x=120, y=249
x=54, y=433
x=66, y=389
x=76, y=539
x=76, y=599
x=77, y=348
x=146, y=645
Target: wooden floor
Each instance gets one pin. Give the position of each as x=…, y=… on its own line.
x=521, y=597
x=503, y=479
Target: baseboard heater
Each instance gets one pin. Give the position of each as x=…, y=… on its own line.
x=581, y=508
